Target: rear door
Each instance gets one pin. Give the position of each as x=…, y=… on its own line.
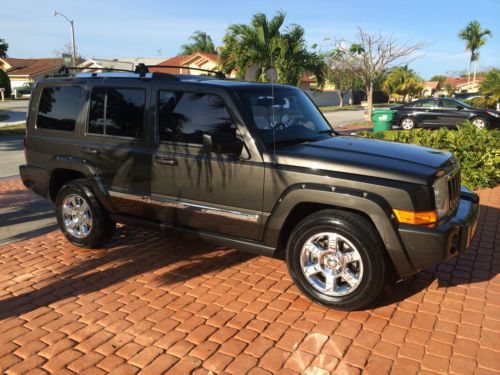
x=115, y=139
x=198, y=189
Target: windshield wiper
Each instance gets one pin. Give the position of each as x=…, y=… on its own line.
x=328, y=131
x=291, y=141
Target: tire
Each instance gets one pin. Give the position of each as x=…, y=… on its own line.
x=480, y=123
x=81, y=217
x=408, y=123
x=357, y=238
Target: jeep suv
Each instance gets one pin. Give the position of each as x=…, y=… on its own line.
x=246, y=165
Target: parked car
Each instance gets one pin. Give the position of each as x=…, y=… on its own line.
x=24, y=90
x=251, y=166
x=465, y=96
x=443, y=112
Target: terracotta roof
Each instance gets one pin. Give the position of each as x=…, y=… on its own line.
x=431, y=84
x=31, y=67
x=176, y=60
x=459, y=81
x=209, y=56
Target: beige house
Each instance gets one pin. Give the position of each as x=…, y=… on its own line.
x=460, y=85
x=430, y=88
x=25, y=71
x=97, y=65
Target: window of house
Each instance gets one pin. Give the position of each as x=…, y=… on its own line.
x=117, y=112
x=184, y=117
x=59, y=108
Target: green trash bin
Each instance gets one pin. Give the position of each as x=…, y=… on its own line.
x=382, y=119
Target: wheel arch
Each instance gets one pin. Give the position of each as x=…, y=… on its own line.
x=301, y=202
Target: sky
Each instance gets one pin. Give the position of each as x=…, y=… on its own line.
x=147, y=28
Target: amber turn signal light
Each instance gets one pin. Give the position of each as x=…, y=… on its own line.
x=415, y=218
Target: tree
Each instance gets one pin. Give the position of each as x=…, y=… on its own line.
x=342, y=78
x=253, y=49
x=440, y=79
x=200, y=42
x=491, y=84
x=4, y=46
x=370, y=56
x=402, y=81
x=68, y=50
x=475, y=38
x=5, y=83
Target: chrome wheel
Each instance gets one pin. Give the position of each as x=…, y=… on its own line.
x=76, y=216
x=479, y=123
x=408, y=124
x=331, y=264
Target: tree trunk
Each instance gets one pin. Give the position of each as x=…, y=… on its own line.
x=475, y=71
x=369, y=100
x=341, y=98
x=470, y=67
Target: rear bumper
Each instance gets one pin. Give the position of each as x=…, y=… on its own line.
x=35, y=179
x=430, y=246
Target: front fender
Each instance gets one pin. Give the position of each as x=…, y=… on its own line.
x=376, y=207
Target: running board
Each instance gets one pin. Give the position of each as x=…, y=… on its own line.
x=252, y=247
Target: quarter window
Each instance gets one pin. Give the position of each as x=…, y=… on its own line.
x=59, y=107
x=185, y=117
x=118, y=112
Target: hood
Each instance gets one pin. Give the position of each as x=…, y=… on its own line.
x=367, y=157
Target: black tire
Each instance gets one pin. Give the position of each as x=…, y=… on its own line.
x=408, y=119
x=361, y=233
x=102, y=227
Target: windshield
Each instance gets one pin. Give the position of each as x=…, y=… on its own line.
x=288, y=117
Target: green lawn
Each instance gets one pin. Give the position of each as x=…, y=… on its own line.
x=13, y=130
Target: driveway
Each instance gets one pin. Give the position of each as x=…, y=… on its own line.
x=15, y=109
x=159, y=302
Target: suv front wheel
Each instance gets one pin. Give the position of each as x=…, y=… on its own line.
x=81, y=217
x=337, y=260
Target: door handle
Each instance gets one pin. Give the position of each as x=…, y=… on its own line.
x=165, y=161
x=90, y=150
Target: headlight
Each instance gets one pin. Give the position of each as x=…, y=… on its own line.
x=441, y=196
x=493, y=114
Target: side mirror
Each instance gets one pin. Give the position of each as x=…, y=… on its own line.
x=222, y=143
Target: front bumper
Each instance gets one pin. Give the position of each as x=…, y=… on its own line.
x=429, y=246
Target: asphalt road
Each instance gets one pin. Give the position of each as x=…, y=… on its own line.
x=11, y=155
x=339, y=118
x=15, y=109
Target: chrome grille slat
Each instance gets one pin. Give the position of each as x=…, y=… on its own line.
x=454, y=190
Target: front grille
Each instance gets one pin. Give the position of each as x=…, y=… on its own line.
x=454, y=189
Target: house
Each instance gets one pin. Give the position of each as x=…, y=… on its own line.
x=25, y=71
x=96, y=65
x=430, y=88
x=460, y=85
x=198, y=60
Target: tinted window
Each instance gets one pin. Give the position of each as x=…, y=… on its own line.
x=448, y=104
x=117, y=112
x=59, y=107
x=184, y=117
x=426, y=104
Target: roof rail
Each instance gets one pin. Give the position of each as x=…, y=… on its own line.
x=141, y=68
x=66, y=69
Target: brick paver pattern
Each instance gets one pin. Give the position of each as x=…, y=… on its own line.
x=158, y=302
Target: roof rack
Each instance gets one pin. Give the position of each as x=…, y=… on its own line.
x=66, y=69
x=143, y=69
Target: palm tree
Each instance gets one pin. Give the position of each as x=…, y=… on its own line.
x=200, y=42
x=252, y=49
x=402, y=81
x=491, y=84
x=475, y=38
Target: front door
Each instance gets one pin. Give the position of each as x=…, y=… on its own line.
x=451, y=113
x=116, y=142
x=195, y=188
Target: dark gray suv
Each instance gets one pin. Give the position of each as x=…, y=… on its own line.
x=251, y=166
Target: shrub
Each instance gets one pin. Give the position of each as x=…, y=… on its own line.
x=5, y=83
x=478, y=151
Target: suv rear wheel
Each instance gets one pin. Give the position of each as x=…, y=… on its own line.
x=337, y=260
x=81, y=217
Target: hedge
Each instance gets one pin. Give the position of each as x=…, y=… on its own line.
x=478, y=151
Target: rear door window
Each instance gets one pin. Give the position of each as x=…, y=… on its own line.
x=117, y=112
x=59, y=108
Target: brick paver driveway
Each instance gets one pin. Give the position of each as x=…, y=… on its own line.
x=162, y=303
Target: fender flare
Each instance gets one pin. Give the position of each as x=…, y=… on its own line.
x=372, y=205
x=90, y=172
